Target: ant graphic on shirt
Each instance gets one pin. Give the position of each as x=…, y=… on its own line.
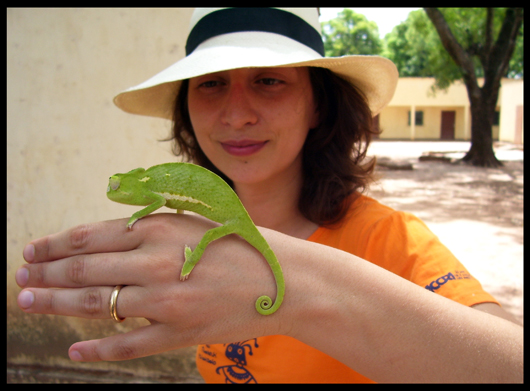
x=236, y=352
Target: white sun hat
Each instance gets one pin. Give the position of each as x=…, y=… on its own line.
x=221, y=39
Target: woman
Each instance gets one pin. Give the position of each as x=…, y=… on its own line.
x=288, y=130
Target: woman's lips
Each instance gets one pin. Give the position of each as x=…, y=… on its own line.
x=242, y=147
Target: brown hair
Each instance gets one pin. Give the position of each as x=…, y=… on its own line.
x=334, y=170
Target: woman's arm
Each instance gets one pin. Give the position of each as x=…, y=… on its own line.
x=375, y=322
x=391, y=330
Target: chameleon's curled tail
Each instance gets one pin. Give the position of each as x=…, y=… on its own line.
x=264, y=304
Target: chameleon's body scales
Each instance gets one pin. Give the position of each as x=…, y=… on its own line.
x=185, y=186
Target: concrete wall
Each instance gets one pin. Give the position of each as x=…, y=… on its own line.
x=417, y=91
x=65, y=138
x=511, y=120
x=394, y=123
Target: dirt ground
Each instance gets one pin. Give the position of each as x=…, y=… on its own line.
x=476, y=212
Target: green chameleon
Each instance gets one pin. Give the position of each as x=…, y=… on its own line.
x=185, y=186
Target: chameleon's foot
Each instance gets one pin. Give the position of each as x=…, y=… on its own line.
x=186, y=268
x=131, y=222
x=184, y=278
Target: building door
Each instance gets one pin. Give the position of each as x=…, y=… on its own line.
x=448, y=125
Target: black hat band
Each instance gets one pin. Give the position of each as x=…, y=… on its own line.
x=232, y=20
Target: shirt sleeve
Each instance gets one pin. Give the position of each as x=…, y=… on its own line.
x=403, y=244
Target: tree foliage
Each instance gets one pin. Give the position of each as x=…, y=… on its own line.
x=416, y=49
x=350, y=33
x=415, y=46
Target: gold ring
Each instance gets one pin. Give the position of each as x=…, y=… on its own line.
x=113, y=304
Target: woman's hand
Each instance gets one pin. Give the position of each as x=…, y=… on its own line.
x=375, y=322
x=215, y=305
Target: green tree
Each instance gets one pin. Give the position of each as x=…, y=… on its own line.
x=481, y=43
x=516, y=67
x=350, y=33
x=416, y=49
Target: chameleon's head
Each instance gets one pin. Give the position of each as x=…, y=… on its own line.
x=115, y=191
x=126, y=188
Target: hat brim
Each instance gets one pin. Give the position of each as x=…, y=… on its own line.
x=376, y=77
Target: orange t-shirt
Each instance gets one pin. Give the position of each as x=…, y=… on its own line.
x=396, y=241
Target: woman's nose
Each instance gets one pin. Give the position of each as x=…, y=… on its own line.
x=239, y=110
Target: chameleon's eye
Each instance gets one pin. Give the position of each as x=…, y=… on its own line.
x=114, y=183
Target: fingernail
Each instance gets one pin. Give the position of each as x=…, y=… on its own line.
x=75, y=356
x=26, y=299
x=29, y=253
x=22, y=276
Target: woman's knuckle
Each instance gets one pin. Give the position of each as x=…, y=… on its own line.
x=123, y=351
x=47, y=301
x=45, y=248
x=76, y=271
x=92, y=302
x=79, y=236
x=38, y=274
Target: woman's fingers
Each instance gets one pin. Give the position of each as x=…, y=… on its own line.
x=91, y=238
x=145, y=341
x=83, y=270
x=92, y=302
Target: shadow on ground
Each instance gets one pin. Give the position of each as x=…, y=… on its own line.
x=442, y=192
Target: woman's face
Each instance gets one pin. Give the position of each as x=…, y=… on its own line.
x=252, y=122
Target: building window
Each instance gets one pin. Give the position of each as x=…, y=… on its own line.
x=419, y=118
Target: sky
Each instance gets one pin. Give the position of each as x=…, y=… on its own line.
x=386, y=18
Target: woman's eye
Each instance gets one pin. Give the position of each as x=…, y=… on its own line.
x=269, y=81
x=209, y=84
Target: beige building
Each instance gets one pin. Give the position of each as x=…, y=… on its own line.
x=446, y=115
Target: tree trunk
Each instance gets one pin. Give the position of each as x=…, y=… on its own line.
x=495, y=59
x=481, y=152
x=483, y=105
